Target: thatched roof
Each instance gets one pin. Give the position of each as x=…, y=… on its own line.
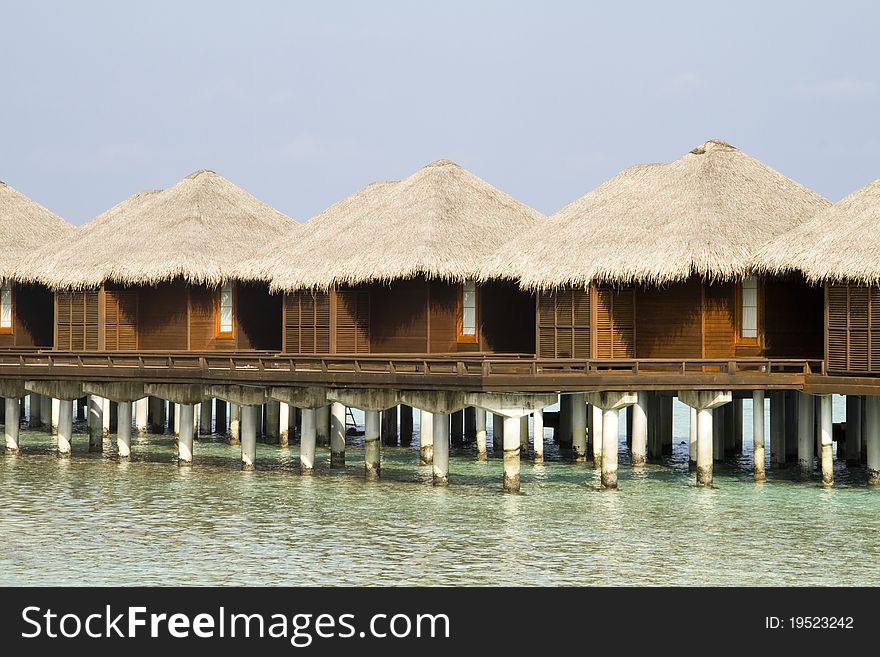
x=25, y=227
x=706, y=214
x=441, y=222
x=841, y=243
x=202, y=229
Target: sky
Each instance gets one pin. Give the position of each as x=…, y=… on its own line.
x=303, y=103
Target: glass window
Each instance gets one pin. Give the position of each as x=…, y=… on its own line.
x=5, y=307
x=226, y=308
x=749, y=308
x=469, y=309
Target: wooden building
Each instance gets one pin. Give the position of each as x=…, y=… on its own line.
x=165, y=270
x=27, y=229
x=392, y=270
x=838, y=249
x=657, y=263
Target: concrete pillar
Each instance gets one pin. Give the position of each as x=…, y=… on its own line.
x=511, y=454
x=12, y=424
x=578, y=424
x=853, y=430
x=220, y=420
x=790, y=431
x=705, y=451
x=249, y=416
x=96, y=424
x=737, y=426
x=440, y=463
x=456, y=435
x=406, y=425
x=718, y=424
x=777, y=428
x=206, y=418
x=524, y=435
x=337, y=435
x=758, y=433
x=389, y=426
x=56, y=407
x=123, y=430
x=372, y=454
x=322, y=421
x=639, y=430
x=284, y=410
x=234, y=424
x=176, y=416
x=273, y=421
x=729, y=430
x=35, y=407
x=157, y=415
x=186, y=413
x=805, y=434
x=666, y=425
x=470, y=424
x=498, y=432
x=426, y=437
x=105, y=418
x=82, y=409
x=597, y=437
x=563, y=439
x=480, y=418
x=46, y=410
x=141, y=407
x=537, y=434
x=692, y=456
x=655, y=432
x=826, y=438
x=872, y=438
x=307, y=441
x=609, y=448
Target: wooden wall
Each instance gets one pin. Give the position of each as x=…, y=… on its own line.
x=719, y=321
x=669, y=323
x=163, y=317
x=399, y=317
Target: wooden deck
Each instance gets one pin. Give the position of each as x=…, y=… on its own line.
x=475, y=373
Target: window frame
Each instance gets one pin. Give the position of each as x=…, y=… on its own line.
x=218, y=332
x=740, y=338
x=459, y=315
x=7, y=330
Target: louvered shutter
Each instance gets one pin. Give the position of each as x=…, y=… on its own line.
x=564, y=324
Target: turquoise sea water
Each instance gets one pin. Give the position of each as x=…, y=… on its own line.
x=94, y=519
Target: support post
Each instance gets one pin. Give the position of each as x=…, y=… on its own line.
x=497, y=432
x=597, y=437
x=511, y=455
x=322, y=420
x=426, y=437
x=440, y=464
x=537, y=431
x=106, y=420
x=141, y=409
x=853, y=430
x=96, y=424
x=372, y=453
x=220, y=420
x=777, y=428
x=564, y=436
x=307, y=441
x=718, y=425
x=249, y=415
x=389, y=426
x=480, y=417
x=692, y=453
x=34, y=411
x=337, y=435
x=872, y=438
x=758, y=433
x=805, y=434
x=737, y=426
x=578, y=424
x=470, y=424
x=273, y=421
x=406, y=425
x=704, y=447
x=639, y=430
x=123, y=429
x=56, y=408
x=206, y=418
x=46, y=410
x=157, y=415
x=666, y=425
x=12, y=425
x=186, y=414
x=609, y=448
x=826, y=439
x=283, y=424
x=456, y=435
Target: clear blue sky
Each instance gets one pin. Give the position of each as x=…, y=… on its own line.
x=302, y=103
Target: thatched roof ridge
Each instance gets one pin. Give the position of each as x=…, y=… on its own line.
x=841, y=243
x=202, y=229
x=441, y=222
x=26, y=227
x=706, y=213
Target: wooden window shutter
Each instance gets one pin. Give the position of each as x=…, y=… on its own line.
x=838, y=311
x=307, y=322
x=352, y=322
x=615, y=323
x=120, y=320
x=63, y=334
x=77, y=325
x=564, y=324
